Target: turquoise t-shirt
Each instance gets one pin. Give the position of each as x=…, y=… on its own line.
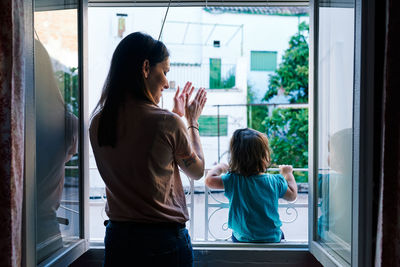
x=253, y=206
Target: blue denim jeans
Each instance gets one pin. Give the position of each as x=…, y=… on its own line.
x=139, y=244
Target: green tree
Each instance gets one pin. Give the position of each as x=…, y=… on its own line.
x=287, y=129
x=292, y=73
x=229, y=81
x=255, y=113
x=68, y=83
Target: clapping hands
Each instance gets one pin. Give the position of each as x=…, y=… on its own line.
x=194, y=108
x=190, y=109
x=181, y=97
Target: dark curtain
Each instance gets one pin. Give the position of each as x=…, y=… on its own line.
x=11, y=130
x=388, y=230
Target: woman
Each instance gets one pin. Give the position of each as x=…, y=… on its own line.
x=138, y=148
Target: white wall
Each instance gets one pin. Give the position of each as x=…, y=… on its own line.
x=193, y=43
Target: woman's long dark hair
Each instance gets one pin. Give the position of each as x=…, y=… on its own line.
x=249, y=152
x=125, y=79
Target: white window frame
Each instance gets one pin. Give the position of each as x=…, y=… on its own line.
x=283, y=248
x=261, y=52
x=67, y=255
x=363, y=133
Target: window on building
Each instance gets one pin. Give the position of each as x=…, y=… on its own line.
x=263, y=60
x=215, y=73
x=208, y=125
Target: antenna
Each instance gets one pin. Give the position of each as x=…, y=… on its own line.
x=165, y=17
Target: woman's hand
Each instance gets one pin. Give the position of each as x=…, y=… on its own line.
x=195, y=107
x=180, y=99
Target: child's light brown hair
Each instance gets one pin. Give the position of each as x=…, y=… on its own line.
x=249, y=152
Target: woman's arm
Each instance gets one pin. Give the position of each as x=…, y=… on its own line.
x=213, y=178
x=193, y=166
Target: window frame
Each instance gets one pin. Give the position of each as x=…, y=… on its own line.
x=66, y=255
x=254, y=52
x=215, y=70
x=363, y=135
x=29, y=210
x=282, y=248
x=315, y=247
x=220, y=121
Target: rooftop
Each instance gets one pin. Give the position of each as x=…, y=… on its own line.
x=283, y=11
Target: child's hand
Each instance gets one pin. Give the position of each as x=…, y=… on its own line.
x=285, y=169
x=222, y=168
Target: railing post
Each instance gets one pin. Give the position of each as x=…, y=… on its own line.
x=206, y=213
x=192, y=208
x=218, y=133
x=250, y=115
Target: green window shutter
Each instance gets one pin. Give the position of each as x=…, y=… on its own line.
x=208, y=125
x=263, y=61
x=215, y=73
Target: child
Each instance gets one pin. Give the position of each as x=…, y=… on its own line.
x=253, y=194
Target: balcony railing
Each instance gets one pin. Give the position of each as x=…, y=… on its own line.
x=209, y=204
x=214, y=201
x=208, y=211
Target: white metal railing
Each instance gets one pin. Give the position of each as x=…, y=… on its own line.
x=219, y=205
x=212, y=205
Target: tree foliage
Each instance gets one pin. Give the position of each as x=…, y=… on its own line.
x=68, y=84
x=287, y=129
x=255, y=114
x=292, y=74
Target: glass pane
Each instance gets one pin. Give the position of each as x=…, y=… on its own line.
x=335, y=126
x=57, y=128
x=190, y=34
